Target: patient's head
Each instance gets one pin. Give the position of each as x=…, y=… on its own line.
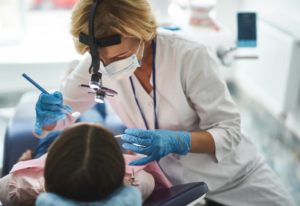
x=85, y=164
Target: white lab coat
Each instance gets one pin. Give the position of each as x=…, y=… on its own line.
x=191, y=96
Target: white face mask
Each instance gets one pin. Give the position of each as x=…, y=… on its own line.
x=123, y=68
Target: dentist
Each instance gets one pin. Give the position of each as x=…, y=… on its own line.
x=173, y=100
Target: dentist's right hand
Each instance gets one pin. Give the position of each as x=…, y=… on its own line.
x=49, y=110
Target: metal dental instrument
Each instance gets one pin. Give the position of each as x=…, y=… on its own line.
x=120, y=135
x=132, y=178
x=34, y=83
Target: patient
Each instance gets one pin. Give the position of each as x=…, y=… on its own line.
x=84, y=164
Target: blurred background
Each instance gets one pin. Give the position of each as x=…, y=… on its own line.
x=255, y=42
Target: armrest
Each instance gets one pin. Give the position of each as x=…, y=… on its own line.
x=177, y=195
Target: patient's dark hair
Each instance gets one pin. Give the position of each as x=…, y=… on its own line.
x=85, y=164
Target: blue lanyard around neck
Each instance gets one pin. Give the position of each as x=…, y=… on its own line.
x=154, y=90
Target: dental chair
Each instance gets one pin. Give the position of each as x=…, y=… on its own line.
x=19, y=138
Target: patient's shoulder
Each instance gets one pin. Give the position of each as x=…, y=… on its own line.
x=24, y=182
x=26, y=186
x=4, y=182
x=34, y=164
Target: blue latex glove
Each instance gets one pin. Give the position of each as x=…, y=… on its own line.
x=49, y=110
x=155, y=143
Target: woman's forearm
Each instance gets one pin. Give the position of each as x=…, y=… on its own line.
x=202, y=142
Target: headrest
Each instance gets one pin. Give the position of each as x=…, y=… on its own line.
x=125, y=196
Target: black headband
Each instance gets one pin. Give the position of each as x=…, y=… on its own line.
x=102, y=42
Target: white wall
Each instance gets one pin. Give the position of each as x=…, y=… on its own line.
x=273, y=79
x=47, y=74
x=284, y=14
x=269, y=79
x=226, y=13
x=281, y=13
x=293, y=119
x=44, y=52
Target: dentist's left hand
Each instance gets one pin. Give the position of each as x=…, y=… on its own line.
x=155, y=143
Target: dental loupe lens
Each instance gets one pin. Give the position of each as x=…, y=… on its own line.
x=94, y=85
x=99, y=99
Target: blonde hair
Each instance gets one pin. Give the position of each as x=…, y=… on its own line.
x=130, y=18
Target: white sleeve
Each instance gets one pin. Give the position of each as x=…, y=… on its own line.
x=75, y=96
x=209, y=96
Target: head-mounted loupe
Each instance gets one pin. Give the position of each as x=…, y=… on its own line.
x=90, y=40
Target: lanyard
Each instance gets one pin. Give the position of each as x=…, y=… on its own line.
x=154, y=90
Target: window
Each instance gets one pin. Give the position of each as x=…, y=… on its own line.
x=11, y=21
x=35, y=31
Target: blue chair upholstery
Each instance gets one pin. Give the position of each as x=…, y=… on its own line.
x=19, y=138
